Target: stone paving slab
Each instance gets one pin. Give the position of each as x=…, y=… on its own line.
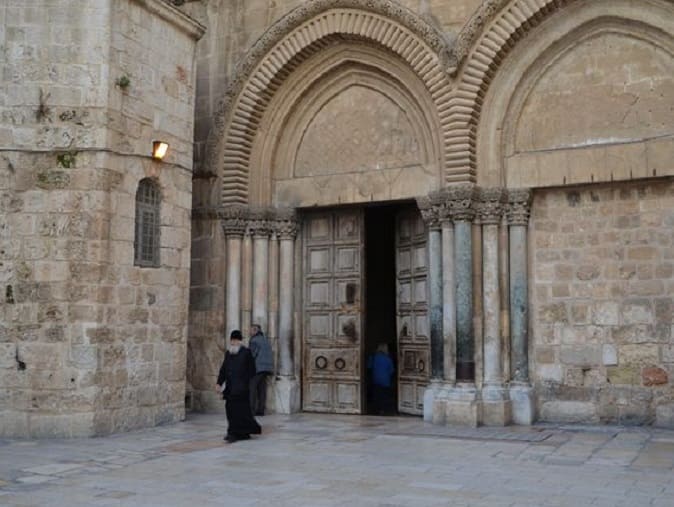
x=333, y=461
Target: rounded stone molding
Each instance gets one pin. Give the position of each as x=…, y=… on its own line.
x=518, y=207
x=506, y=22
x=295, y=38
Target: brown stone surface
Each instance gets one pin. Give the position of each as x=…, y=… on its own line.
x=653, y=376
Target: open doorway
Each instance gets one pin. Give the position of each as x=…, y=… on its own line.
x=380, y=305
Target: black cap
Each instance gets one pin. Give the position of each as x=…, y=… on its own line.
x=235, y=335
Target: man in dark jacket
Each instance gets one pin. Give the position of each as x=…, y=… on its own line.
x=236, y=372
x=264, y=366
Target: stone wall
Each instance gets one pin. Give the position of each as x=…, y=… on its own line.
x=90, y=344
x=602, y=284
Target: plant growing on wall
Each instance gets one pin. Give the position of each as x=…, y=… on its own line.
x=67, y=159
x=123, y=82
x=43, y=110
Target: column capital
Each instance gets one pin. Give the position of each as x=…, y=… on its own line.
x=259, y=222
x=491, y=205
x=430, y=210
x=519, y=206
x=462, y=200
x=285, y=223
x=234, y=220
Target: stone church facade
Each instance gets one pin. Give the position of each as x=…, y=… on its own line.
x=484, y=186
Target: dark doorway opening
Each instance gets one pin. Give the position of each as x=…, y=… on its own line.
x=380, y=305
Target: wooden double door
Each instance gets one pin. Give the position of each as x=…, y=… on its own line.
x=334, y=257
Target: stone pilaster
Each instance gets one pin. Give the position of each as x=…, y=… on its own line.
x=517, y=211
x=495, y=402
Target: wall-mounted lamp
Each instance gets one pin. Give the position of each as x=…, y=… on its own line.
x=159, y=149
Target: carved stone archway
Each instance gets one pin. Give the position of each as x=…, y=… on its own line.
x=295, y=38
x=480, y=52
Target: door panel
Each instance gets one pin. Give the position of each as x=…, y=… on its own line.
x=412, y=312
x=333, y=250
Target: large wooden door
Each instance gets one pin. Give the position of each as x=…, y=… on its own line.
x=412, y=311
x=333, y=288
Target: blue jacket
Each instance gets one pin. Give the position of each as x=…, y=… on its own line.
x=382, y=369
x=264, y=357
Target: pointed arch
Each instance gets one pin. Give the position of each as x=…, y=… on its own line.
x=483, y=44
x=300, y=34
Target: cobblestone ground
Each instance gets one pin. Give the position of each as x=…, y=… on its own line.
x=326, y=461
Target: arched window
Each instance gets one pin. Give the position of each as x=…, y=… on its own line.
x=146, y=241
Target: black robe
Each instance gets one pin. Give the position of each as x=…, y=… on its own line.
x=236, y=372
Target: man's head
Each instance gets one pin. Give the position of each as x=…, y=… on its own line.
x=255, y=329
x=234, y=342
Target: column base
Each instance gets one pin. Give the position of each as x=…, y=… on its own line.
x=435, y=403
x=463, y=406
x=496, y=406
x=523, y=405
x=286, y=395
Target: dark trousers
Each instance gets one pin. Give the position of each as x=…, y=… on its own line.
x=382, y=400
x=258, y=393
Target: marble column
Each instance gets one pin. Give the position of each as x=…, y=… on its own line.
x=234, y=223
x=260, y=231
x=246, y=280
x=518, y=210
x=448, y=300
x=429, y=208
x=272, y=322
x=462, y=405
x=287, y=394
x=462, y=204
x=496, y=405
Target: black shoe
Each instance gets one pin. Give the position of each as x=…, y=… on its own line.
x=257, y=431
x=230, y=439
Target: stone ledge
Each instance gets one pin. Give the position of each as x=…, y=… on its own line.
x=174, y=16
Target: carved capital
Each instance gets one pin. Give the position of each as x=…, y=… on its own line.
x=461, y=200
x=430, y=211
x=234, y=220
x=285, y=223
x=491, y=205
x=259, y=222
x=519, y=206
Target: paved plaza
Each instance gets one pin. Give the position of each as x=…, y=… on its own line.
x=326, y=461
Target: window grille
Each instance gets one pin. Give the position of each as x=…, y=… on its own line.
x=146, y=240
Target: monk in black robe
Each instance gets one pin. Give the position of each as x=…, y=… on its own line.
x=236, y=371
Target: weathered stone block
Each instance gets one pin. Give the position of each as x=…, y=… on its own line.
x=664, y=416
x=654, y=376
x=569, y=412
x=623, y=375
x=609, y=355
x=580, y=355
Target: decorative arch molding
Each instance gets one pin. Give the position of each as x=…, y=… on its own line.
x=506, y=22
x=291, y=41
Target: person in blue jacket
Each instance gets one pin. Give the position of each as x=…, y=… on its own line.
x=382, y=377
